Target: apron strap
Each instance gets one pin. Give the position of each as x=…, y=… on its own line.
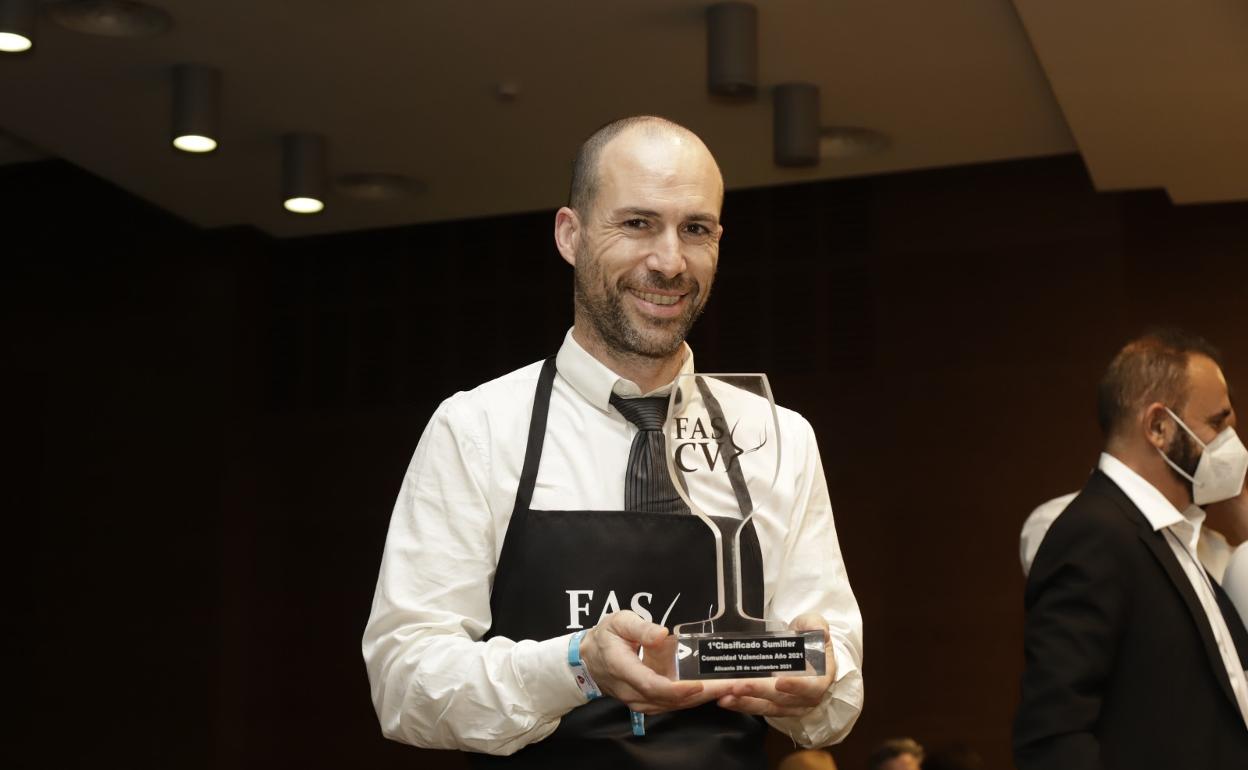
x=735, y=476
x=537, y=435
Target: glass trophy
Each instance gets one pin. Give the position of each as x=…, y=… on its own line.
x=723, y=452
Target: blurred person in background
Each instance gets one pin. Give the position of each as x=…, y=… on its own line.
x=896, y=754
x=808, y=759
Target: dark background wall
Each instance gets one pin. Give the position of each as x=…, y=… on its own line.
x=206, y=431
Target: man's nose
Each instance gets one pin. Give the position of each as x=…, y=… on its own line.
x=667, y=257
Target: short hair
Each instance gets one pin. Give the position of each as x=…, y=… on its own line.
x=585, y=167
x=808, y=759
x=1151, y=368
x=893, y=748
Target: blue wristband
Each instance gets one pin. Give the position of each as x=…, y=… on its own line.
x=589, y=688
x=638, y=721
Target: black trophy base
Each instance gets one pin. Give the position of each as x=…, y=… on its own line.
x=744, y=655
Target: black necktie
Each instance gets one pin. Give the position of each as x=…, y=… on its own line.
x=647, y=484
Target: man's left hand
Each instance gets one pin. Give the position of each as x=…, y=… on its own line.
x=785, y=696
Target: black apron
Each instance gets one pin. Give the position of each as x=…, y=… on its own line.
x=560, y=570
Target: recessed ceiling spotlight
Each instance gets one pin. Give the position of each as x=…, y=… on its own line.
x=303, y=173
x=195, y=143
x=17, y=25
x=378, y=187
x=303, y=205
x=507, y=91
x=851, y=141
x=111, y=18
x=196, y=107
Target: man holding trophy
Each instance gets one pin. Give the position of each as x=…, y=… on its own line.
x=605, y=557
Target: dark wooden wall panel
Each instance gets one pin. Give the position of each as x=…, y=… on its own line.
x=211, y=428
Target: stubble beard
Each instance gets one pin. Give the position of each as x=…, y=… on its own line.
x=602, y=305
x=1183, y=453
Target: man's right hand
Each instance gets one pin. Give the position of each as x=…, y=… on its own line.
x=610, y=653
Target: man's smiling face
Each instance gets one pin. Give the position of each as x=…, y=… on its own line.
x=649, y=246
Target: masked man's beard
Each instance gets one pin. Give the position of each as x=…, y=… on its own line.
x=1182, y=452
x=605, y=311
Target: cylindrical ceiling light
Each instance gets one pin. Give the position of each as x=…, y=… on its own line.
x=796, y=124
x=732, y=49
x=303, y=173
x=17, y=25
x=196, y=107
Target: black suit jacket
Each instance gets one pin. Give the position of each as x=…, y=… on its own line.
x=1122, y=669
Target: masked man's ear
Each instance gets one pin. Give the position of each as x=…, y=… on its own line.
x=1158, y=425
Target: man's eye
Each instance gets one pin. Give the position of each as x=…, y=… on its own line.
x=697, y=230
x=635, y=224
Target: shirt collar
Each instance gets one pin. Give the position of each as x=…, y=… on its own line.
x=595, y=382
x=1159, y=511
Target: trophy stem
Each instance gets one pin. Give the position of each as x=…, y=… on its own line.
x=732, y=616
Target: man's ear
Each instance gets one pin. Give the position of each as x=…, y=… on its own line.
x=567, y=234
x=1157, y=424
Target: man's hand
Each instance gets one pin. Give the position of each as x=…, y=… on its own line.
x=610, y=652
x=784, y=696
x=1230, y=518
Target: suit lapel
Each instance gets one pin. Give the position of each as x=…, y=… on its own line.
x=1156, y=543
x=1178, y=578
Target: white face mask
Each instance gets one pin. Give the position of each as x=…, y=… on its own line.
x=1220, y=472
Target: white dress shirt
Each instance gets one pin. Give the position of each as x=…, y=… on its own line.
x=1235, y=580
x=1182, y=533
x=1036, y=526
x=434, y=682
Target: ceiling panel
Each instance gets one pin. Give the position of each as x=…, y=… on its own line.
x=1155, y=92
x=410, y=88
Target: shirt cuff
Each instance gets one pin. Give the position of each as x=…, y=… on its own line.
x=543, y=669
x=832, y=719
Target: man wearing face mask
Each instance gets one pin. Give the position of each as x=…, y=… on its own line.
x=1135, y=657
